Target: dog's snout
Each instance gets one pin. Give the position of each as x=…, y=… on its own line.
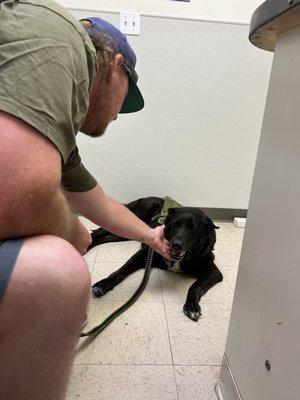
x=177, y=245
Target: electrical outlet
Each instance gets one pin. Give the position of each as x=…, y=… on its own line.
x=130, y=23
x=239, y=222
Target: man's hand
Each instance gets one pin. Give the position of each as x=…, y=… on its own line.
x=158, y=243
x=116, y=218
x=83, y=239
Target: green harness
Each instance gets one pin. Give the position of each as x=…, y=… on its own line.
x=168, y=203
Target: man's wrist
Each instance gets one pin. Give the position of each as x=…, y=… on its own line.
x=148, y=237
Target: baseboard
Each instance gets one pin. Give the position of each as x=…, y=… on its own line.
x=226, y=388
x=219, y=395
x=224, y=214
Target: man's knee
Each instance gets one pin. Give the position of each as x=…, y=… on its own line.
x=49, y=274
x=53, y=260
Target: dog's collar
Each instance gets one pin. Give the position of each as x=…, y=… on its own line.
x=173, y=266
x=168, y=203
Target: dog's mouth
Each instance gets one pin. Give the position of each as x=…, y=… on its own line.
x=177, y=255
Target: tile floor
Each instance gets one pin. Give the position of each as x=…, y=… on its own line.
x=153, y=351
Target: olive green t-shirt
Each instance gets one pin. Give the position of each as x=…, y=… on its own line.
x=47, y=64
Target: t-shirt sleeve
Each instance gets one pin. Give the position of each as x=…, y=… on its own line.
x=75, y=177
x=47, y=64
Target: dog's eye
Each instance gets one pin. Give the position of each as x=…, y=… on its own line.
x=189, y=225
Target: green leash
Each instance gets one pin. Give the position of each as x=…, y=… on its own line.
x=168, y=203
x=99, y=328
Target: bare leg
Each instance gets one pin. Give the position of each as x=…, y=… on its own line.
x=40, y=319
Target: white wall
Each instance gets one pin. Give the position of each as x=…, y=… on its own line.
x=224, y=10
x=197, y=138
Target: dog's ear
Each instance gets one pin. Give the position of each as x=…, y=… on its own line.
x=171, y=212
x=211, y=235
x=169, y=215
x=210, y=223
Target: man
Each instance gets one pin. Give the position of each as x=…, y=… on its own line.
x=53, y=83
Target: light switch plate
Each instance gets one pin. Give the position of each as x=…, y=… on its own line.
x=130, y=23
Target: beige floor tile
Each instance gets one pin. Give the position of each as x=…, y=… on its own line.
x=228, y=231
x=125, y=289
x=175, y=287
x=196, y=383
x=91, y=254
x=139, y=336
x=198, y=343
x=227, y=259
x=90, y=264
x=230, y=276
x=88, y=224
x=121, y=382
x=228, y=253
x=117, y=252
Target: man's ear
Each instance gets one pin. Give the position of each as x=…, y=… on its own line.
x=118, y=61
x=114, y=68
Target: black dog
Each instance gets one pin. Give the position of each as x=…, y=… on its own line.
x=192, y=237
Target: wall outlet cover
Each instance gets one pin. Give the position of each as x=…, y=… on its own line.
x=130, y=23
x=239, y=222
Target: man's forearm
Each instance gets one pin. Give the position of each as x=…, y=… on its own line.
x=109, y=214
x=116, y=218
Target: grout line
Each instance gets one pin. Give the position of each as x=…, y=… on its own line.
x=234, y=240
x=161, y=301
x=94, y=261
x=91, y=267
x=173, y=367
x=111, y=262
x=123, y=301
x=232, y=289
x=152, y=365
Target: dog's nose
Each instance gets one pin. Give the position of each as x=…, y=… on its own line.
x=177, y=245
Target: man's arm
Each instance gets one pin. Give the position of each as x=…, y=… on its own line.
x=116, y=218
x=31, y=201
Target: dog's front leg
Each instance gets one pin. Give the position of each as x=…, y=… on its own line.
x=137, y=261
x=192, y=308
x=101, y=236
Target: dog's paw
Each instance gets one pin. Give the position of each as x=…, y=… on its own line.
x=100, y=288
x=192, y=310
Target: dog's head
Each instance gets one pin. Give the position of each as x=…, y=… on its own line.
x=190, y=233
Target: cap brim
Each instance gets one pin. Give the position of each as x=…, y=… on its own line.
x=134, y=100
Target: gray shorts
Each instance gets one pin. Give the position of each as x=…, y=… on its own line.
x=9, y=251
